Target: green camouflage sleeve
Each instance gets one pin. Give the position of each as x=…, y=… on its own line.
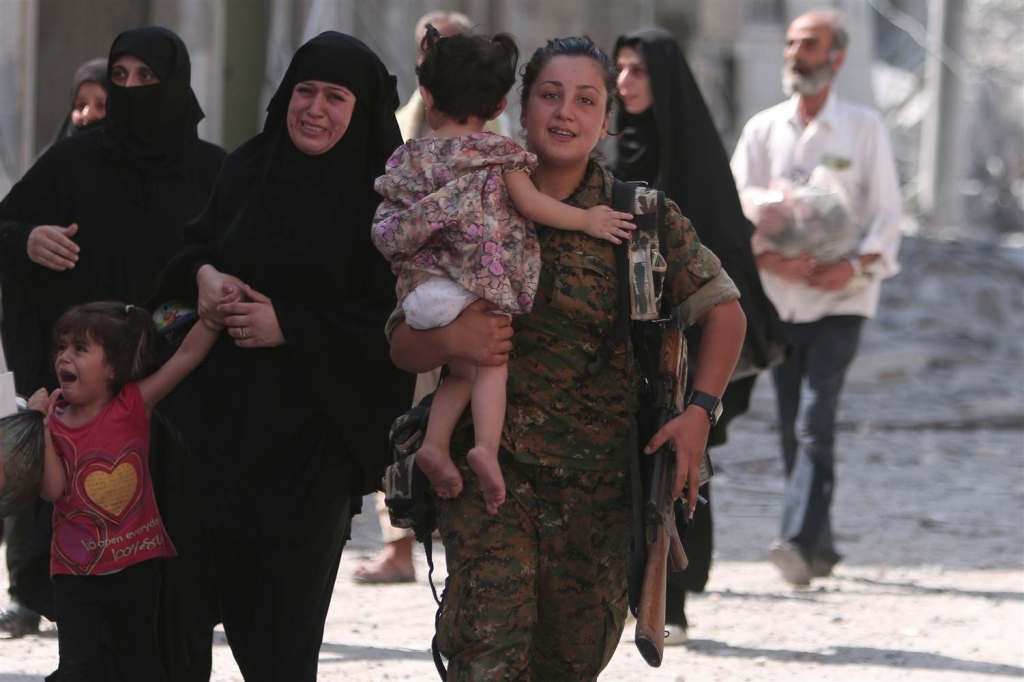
x=718, y=290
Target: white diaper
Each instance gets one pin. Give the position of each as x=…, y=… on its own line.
x=435, y=303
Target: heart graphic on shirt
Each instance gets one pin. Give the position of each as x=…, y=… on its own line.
x=112, y=489
x=78, y=542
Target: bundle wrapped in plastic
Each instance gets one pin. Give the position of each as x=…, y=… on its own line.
x=819, y=219
x=22, y=449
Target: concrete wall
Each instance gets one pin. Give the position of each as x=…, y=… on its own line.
x=247, y=27
x=240, y=48
x=17, y=86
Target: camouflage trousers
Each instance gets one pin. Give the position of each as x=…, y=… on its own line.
x=536, y=592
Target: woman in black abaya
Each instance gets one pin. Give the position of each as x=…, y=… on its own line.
x=669, y=140
x=96, y=217
x=88, y=99
x=100, y=213
x=300, y=391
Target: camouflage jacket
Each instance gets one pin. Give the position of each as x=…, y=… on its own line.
x=558, y=414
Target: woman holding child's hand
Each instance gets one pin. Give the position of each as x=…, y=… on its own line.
x=214, y=288
x=251, y=320
x=299, y=393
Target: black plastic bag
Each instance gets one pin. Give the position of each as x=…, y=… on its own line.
x=22, y=449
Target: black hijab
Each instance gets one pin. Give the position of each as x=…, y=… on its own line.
x=675, y=147
x=93, y=71
x=297, y=229
x=335, y=187
x=152, y=129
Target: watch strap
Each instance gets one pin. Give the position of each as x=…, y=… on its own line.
x=709, y=403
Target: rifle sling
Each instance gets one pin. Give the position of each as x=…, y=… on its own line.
x=623, y=194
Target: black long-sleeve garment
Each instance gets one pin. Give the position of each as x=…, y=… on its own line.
x=131, y=185
x=125, y=239
x=284, y=428
x=675, y=147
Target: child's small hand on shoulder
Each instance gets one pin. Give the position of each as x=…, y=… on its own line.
x=605, y=223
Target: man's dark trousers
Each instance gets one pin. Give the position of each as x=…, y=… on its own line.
x=821, y=353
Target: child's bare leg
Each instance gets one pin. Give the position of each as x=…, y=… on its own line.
x=433, y=457
x=488, y=418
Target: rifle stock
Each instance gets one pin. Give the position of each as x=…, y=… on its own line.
x=664, y=549
x=650, y=617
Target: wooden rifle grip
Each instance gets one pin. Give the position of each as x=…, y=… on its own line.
x=670, y=356
x=672, y=362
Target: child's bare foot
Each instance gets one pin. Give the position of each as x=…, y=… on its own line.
x=484, y=464
x=440, y=470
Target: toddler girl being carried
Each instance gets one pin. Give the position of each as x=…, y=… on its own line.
x=455, y=226
x=106, y=526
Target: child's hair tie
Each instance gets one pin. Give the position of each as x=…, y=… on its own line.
x=128, y=308
x=431, y=37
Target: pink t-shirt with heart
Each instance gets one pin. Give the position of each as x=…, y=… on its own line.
x=107, y=518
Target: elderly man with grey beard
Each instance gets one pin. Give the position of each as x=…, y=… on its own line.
x=786, y=153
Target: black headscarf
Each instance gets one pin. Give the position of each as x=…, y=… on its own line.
x=152, y=129
x=338, y=184
x=675, y=146
x=297, y=229
x=677, y=139
x=93, y=71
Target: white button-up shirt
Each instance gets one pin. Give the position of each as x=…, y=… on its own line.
x=854, y=141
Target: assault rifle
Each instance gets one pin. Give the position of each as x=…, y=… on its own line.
x=664, y=549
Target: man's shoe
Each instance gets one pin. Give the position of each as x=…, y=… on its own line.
x=791, y=563
x=19, y=621
x=675, y=635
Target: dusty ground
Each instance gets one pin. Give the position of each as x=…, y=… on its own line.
x=929, y=513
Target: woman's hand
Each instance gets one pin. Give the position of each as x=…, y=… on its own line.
x=216, y=288
x=252, y=323
x=688, y=434
x=480, y=335
x=51, y=246
x=477, y=336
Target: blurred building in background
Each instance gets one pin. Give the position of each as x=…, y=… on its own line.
x=948, y=74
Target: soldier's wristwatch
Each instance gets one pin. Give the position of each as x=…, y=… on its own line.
x=711, y=404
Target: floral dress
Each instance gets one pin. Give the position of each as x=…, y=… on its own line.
x=446, y=213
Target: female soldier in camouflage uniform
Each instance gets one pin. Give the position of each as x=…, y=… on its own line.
x=538, y=591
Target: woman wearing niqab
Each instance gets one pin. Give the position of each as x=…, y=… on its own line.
x=128, y=187
x=297, y=410
x=673, y=145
